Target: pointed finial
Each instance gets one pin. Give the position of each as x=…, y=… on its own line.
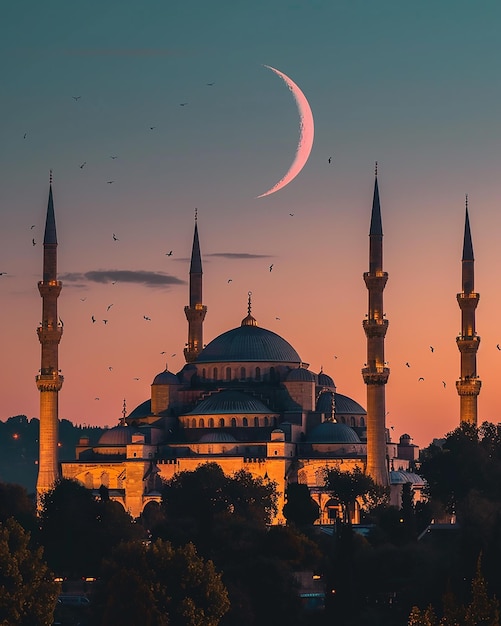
x=50, y=177
x=249, y=320
x=466, y=201
x=321, y=369
x=249, y=305
x=196, y=214
x=124, y=409
x=375, y=169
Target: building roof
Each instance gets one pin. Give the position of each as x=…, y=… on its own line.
x=230, y=402
x=343, y=405
x=116, y=436
x=248, y=343
x=332, y=432
x=325, y=380
x=301, y=374
x=217, y=436
x=166, y=378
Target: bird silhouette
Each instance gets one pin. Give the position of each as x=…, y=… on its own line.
x=420, y=378
x=83, y=299
x=93, y=319
x=32, y=226
x=291, y=214
x=271, y=267
x=33, y=242
x=109, y=182
x=96, y=398
x=109, y=307
x=183, y=104
x=330, y=159
x=76, y=97
x=443, y=383
x=277, y=318
x=136, y=378
x=113, y=157
x=173, y=354
x=210, y=84
x=24, y=136
x=105, y=321
x=163, y=352
x=230, y=280
x=2, y=273
x=432, y=348
x=115, y=238
x=169, y=253
x=110, y=368
x=152, y=127
x=498, y=347
x=83, y=164
x=147, y=318
x=408, y=364
x=113, y=282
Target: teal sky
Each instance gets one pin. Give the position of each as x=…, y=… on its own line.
x=412, y=85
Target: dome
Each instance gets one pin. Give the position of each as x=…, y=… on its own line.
x=165, y=378
x=142, y=410
x=402, y=477
x=325, y=380
x=248, y=343
x=301, y=374
x=333, y=432
x=343, y=404
x=116, y=436
x=217, y=437
x=233, y=402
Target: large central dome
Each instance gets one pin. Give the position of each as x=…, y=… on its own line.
x=248, y=343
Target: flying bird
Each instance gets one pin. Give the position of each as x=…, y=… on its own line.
x=83, y=299
x=110, y=368
x=152, y=127
x=432, y=348
x=93, y=319
x=169, y=253
x=173, y=354
x=147, y=318
x=420, y=378
x=105, y=321
x=230, y=280
x=33, y=242
x=498, y=347
x=136, y=378
x=32, y=227
x=271, y=267
x=330, y=159
x=183, y=104
x=109, y=182
x=291, y=214
x=113, y=157
x=24, y=136
x=443, y=383
x=83, y=164
x=277, y=318
x=162, y=352
x=96, y=398
x=115, y=238
x=109, y=307
x=76, y=97
x=210, y=84
x=408, y=364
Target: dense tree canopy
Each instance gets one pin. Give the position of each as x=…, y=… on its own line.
x=300, y=508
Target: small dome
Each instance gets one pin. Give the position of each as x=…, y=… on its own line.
x=142, y=410
x=343, y=404
x=232, y=402
x=325, y=380
x=116, y=436
x=166, y=378
x=333, y=432
x=301, y=374
x=401, y=477
x=216, y=436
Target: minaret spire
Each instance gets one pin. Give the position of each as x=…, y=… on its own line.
x=375, y=373
x=49, y=381
x=195, y=312
x=468, y=385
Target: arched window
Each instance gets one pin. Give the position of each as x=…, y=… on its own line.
x=266, y=421
x=228, y=373
x=105, y=479
x=362, y=421
x=274, y=421
x=221, y=422
x=258, y=373
x=201, y=423
x=203, y=373
x=242, y=373
x=245, y=422
x=272, y=375
x=352, y=421
x=193, y=423
x=211, y=422
x=343, y=419
x=214, y=373
x=233, y=422
x=89, y=481
x=256, y=422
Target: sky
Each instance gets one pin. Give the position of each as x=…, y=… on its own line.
x=177, y=91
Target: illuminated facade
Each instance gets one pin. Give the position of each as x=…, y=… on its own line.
x=468, y=385
x=247, y=400
x=49, y=380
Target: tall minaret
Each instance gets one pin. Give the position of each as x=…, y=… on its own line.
x=49, y=381
x=195, y=313
x=375, y=373
x=468, y=385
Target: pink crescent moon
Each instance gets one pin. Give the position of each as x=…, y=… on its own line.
x=306, y=133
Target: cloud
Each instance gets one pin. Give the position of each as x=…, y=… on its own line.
x=140, y=277
x=239, y=255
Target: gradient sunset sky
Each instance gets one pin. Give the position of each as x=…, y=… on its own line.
x=415, y=86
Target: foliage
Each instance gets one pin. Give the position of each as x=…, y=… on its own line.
x=300, y=508
x=28, y=592
x=15, y=502
x=159, y=585
x=78, y=531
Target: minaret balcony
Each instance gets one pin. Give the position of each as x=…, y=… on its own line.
x=52, y=381
x=468, y=386
x=50, y=287
x=468, y=301
x=376, y=375
x=375, y=281
x=375, y=327
x=467, y=343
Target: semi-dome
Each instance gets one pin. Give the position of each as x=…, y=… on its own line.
x=166, y=378
x=343, y=405
x=234, y=402
x=301, y=374
x=216, y=436
x=333, y=432
x=116, y=436
x=401, y=477
x=325, y=380
x=248, y=343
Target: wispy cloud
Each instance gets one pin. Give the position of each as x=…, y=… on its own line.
x=239, y=255
x=140, y=277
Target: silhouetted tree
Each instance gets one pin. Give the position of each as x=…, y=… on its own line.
x=300, y=508
x=28, y=592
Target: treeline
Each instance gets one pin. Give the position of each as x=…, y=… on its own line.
x=19, y=447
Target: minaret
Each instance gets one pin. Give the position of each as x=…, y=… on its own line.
x=195, y=313
x=375, y=374
x=49, y=381
x=468, y=385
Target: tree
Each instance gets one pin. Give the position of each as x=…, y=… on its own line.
x=28, y=592
x=300, y=508
x=164, y=586
x=15, y=502
x=482, y=610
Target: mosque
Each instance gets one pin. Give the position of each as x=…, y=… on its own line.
x=247, y=400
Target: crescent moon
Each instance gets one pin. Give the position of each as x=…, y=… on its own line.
x=306, y=134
